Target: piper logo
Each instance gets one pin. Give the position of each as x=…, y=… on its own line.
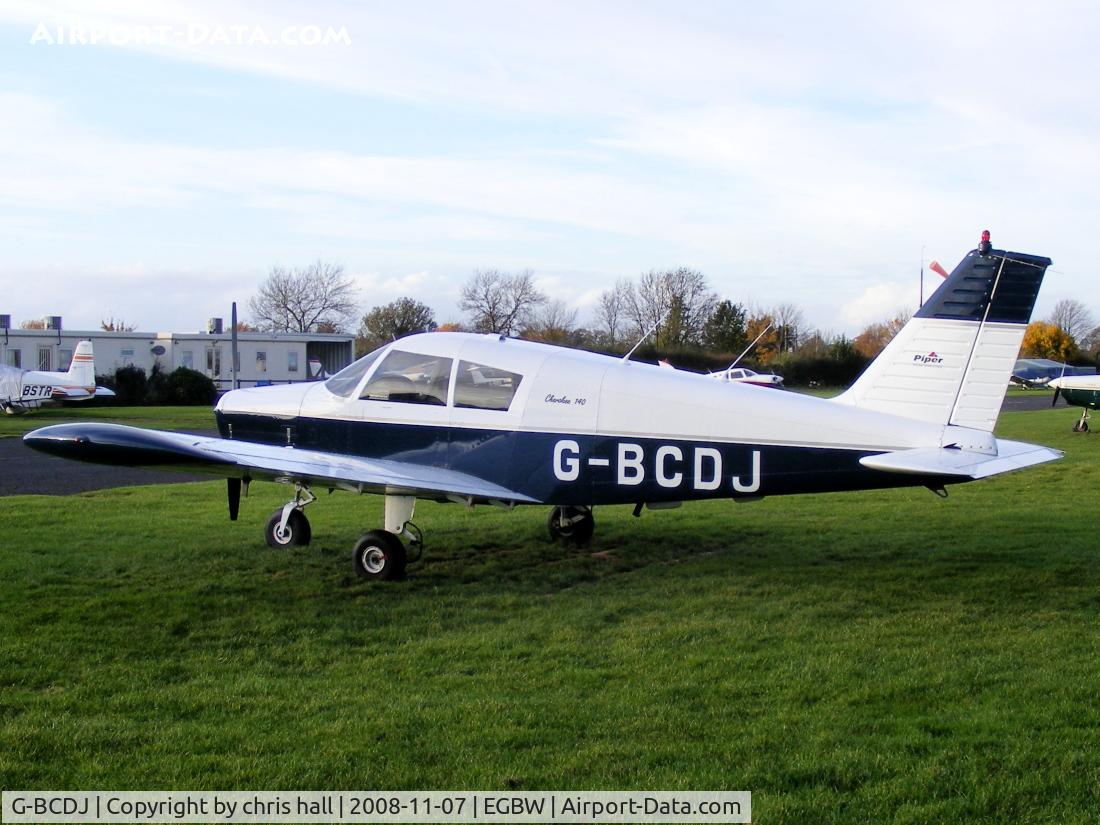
x=930, y=358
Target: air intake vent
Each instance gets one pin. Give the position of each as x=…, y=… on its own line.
x=53, y=322
x=214, y=326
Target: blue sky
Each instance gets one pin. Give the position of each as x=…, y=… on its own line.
x=799, y=153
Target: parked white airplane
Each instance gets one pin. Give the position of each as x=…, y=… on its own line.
x=23, y=390
x=487, y=419
x=740, y=375
x=1079, y=391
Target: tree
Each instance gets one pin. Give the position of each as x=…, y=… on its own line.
x=611, y=313
x=760, y=327
x=500, y=302
x=788, y=326
x=1046, y=340
x=725, y=329
x=304, y=299
x=554, y=323
x=1073, y=317
x=113, y=324
x=244, y=326
x=675, y=304
x=874, y=337
x=397, y=319
x=36, y=324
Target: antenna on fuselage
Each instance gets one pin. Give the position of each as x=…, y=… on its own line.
x=652, y=330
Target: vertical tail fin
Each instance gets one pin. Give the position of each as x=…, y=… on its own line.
x=82, y=369
x=951, y=363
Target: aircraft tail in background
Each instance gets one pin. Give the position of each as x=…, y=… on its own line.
x=82, y=369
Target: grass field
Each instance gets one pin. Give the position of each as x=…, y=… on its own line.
x=167, y=418
x=847, y=658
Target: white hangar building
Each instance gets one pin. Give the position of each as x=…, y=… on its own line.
x=265, y=357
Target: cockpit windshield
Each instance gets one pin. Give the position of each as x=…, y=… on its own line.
x=347, y=379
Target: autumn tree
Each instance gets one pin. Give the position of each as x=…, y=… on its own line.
x=37, y=323
x=760, y=327
x=395, y=320
x=874, y=337
x=305, y=299
x=113, y=324
x=1046, y=340
x=500, y=302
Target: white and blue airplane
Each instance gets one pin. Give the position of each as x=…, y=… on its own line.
x=486, y=419
x=24, y=390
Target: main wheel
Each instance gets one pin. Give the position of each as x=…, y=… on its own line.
x=571, y=524
x=379, y=555
x=1081, y=427
x=297, y=532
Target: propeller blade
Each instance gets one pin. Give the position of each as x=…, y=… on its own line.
x=1057, y=392
x=233, y=487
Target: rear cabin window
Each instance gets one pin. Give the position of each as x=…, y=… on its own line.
x=347, y=379
x=485, y=388
x=409, y=378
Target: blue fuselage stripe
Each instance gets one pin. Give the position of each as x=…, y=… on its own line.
x=567, y=468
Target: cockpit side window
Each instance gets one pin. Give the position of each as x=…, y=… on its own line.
x=409, y=378
x=347, y=379
x=485, y=388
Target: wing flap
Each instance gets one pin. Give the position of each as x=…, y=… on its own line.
x=136, y=447
x=949, y=461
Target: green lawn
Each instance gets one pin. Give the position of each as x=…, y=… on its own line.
x=887, y=656
x=165, y=418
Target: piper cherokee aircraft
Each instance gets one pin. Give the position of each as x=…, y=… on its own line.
x=23, y=390
x=486, y=419
x=1079, y=391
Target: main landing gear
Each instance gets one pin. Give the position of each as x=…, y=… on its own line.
x=1082, y=426
x=381, y=554
x=572, y=524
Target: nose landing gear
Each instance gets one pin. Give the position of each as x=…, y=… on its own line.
x=288, y=526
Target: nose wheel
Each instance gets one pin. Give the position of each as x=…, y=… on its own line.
x=1082, y=426
x=288, y=526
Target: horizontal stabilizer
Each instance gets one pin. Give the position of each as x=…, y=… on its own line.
x=951, y=461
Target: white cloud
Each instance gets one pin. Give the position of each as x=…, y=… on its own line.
x=879, y=302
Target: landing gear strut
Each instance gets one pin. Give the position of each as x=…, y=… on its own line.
x=573, y=524
x=380, y=554
x=288, y=526
x=1082, y=426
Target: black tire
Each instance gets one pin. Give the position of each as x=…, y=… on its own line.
x=380, y=556
x=298, y=532
x=578, y=532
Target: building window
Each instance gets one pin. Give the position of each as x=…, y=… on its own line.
x=187, y=359
x=214, y=361
x=292, y=361
x=127, y=356
x=15, y=358
x=261, y=361
x=64, y=359
x=45, y=359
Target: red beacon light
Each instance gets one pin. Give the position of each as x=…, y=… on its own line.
x=985, y=247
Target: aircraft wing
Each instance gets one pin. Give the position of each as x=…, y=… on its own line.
x=951, y=461
x=135, y=447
